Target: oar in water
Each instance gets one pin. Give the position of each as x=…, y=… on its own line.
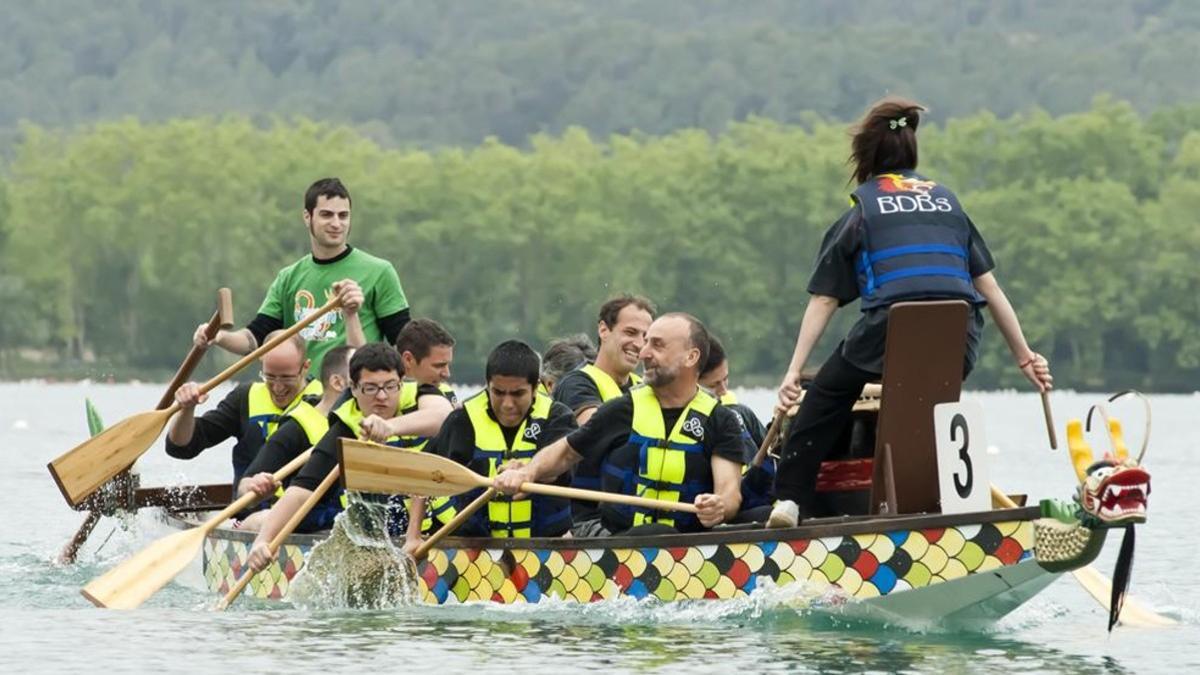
x=370, y=467
x=277, y=541
x=221, y=318
x=87, y=466
x=458, y=519
x=130, y=583
x=1133, y=613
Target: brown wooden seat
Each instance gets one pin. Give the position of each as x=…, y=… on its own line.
x=922, y=367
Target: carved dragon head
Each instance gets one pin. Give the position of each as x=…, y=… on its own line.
x=1114, y=490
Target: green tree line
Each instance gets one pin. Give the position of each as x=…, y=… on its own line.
x=430, y=73
x=114, y=237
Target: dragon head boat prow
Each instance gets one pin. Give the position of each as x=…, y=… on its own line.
x=1114, y=490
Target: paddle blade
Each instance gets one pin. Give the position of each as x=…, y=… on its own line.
x=129, y=584
x=370, y=467
x=87, y=466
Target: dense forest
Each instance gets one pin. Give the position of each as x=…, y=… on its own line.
x=521, y=161
x=114, y=237
x=427, y=73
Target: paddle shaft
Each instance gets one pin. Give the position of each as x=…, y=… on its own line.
x=221, y=318
x=459, y=518
x=598, y=496
x=1049, y=420
x=277, y=541
x=772, y=434
x=252, y=498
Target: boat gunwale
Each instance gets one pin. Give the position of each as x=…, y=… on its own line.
x=831, y=527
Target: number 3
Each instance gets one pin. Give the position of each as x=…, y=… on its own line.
x=957, y=423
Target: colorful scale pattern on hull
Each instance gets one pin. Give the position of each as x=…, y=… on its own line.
x=863, y=566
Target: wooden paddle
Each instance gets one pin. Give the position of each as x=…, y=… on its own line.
x=277, y=541
x=769, y=440
x=87, y=466
x=221, y=318
x=458, y=519
x=1133, y=613
x=130, y=583
x=1049, y=420
x=370, y=467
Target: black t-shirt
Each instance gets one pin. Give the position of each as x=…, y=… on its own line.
x=607, y=432
x=578, y=391
x=230, y=419
x=835, y=275
x=752, y=425
x=456, y=440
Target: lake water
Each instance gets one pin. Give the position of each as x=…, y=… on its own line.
x=46, y=626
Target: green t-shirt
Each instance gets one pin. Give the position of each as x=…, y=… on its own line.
x=305, y=285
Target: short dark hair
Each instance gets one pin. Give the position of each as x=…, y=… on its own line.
x=566, y=354
x=420, y=336
x=375, y=356
x=335, y=362
x=513, y=358
x=611, y=309
x=325, y=187
x=885, y=139
x=716, y=355
x=698, y=336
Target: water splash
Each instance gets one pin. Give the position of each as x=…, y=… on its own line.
x=356, y=567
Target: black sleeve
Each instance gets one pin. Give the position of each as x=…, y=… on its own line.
x=980, y=261
x=324, y=456
x=456, y=439
x=751, y=424
x=262, y=325
x=729, y=439
x=428, y=390
x=288, y=441
x=214, y=426
x=577, y=391
x=392, y=324
x=834, y=273
x=607, y=429
x=559, y=423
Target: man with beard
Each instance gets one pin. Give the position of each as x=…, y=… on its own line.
x=622, y=331
x=369, y=286
x=668, y=439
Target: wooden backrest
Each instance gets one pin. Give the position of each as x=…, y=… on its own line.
x=922, y=366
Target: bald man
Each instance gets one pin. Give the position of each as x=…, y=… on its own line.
x=668, y=439
x=250, y=413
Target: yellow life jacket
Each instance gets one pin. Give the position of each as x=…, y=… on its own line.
x=670, y=467
x=441, y=508
x=605, y=384
x=728, y=398
x=509, y=517
x=349, y=413
x=311, y=421
x=262, y=411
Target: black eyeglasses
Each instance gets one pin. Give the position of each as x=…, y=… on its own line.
x=373, y=389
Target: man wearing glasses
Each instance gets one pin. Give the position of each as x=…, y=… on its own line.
x=250, y=413
x=375, y=380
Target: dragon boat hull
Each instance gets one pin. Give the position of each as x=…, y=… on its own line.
x=964, y=569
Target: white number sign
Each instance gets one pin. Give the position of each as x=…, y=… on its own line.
x=961, y=457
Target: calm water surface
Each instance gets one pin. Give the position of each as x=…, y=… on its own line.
x=46, y=626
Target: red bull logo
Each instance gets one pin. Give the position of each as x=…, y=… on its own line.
x=894, y=182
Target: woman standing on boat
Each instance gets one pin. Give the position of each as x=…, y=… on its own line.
x=905, y=238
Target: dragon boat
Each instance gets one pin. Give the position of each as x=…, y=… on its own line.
x=903, y=559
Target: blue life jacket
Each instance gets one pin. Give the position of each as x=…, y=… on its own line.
x=915, y=244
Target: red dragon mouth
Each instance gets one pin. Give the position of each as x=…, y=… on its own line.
x=1122, y=496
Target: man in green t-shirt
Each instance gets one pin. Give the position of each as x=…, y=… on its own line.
x=369, y=287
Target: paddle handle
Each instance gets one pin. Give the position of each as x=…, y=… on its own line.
x=222, y=318
x=1049, y=420
x=598, y=496
x=334, y=303
x=772, y=434
x=252, y=498
x=277, y=541
x=459, y=519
